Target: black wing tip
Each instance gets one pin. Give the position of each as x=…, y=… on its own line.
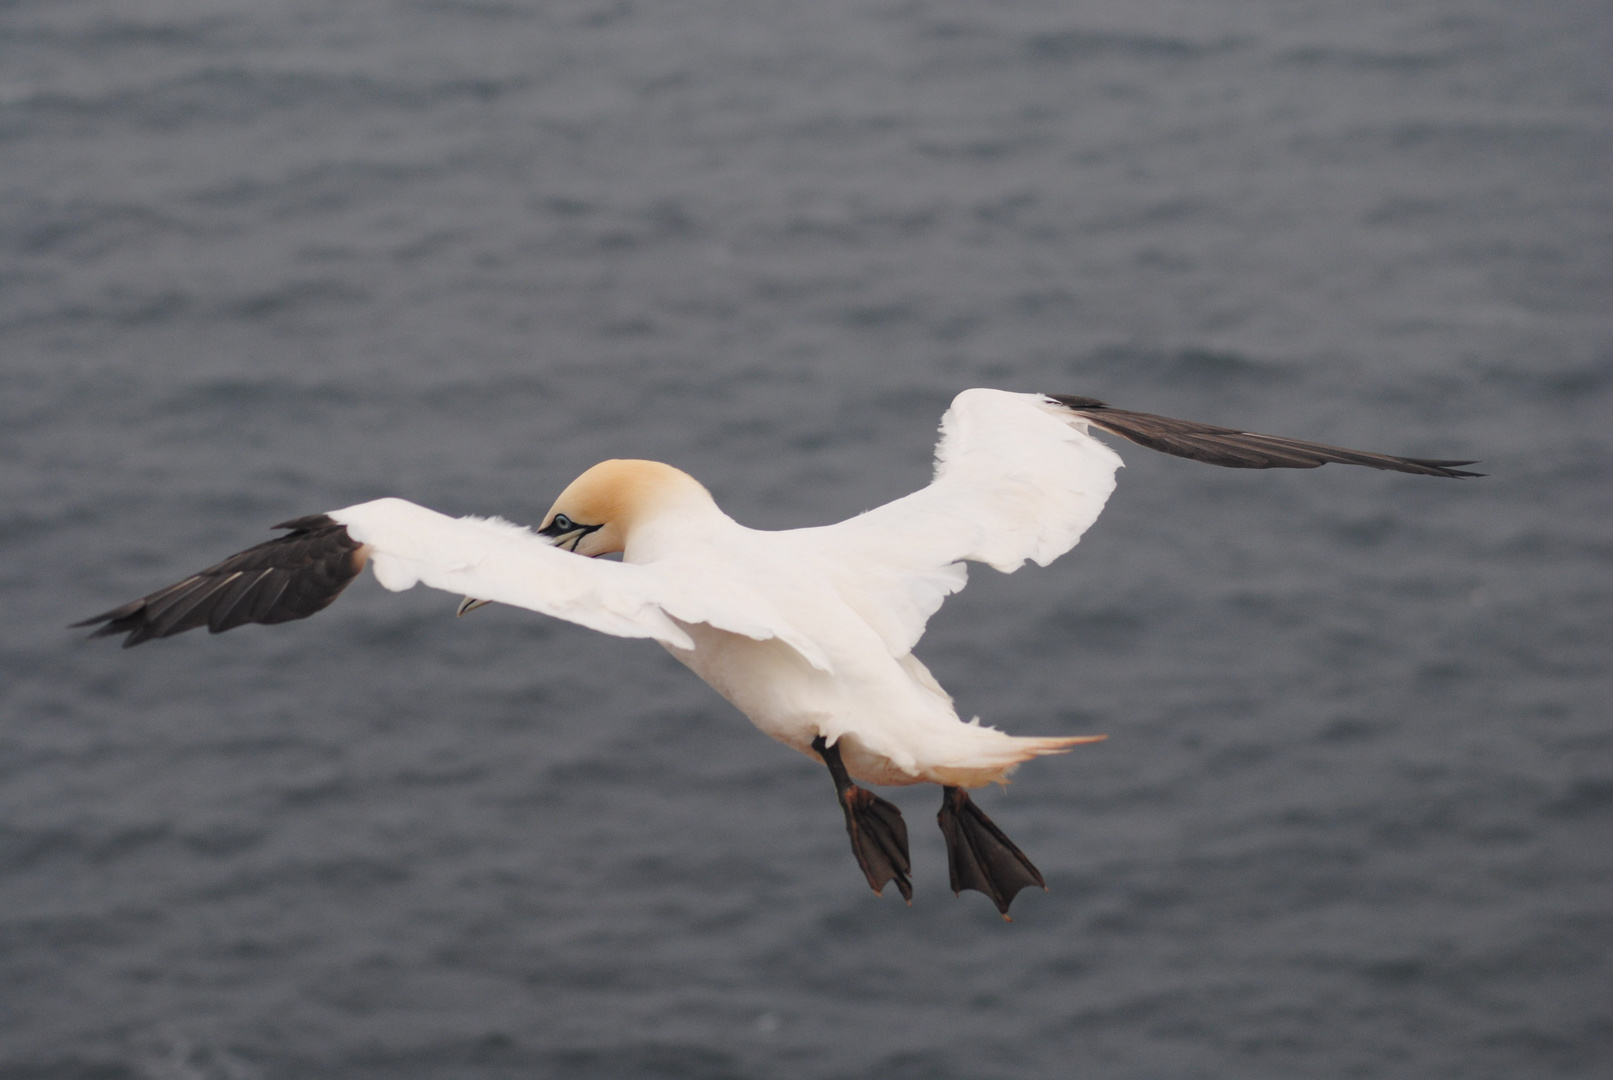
x=111, y=620
x=1232, y=448
x=128, y=619
x=1446, y=468
x=91, y=621
x=290, y=577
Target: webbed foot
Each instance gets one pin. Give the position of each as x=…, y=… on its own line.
x=878, y=833
x=979, y=855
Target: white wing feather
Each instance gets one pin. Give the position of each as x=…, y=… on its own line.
x=1017, y=477
x=491, y=559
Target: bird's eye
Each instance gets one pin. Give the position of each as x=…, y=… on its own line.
x=561, y=523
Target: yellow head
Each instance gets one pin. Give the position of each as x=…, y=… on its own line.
x=599, y=510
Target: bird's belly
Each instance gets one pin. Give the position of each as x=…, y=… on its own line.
x=768, y=681
x=878, y=723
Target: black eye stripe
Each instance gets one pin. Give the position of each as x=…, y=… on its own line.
x=561, y=528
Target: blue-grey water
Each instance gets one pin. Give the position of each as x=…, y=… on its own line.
x=258, y=261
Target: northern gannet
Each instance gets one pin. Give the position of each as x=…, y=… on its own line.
x=808, y=632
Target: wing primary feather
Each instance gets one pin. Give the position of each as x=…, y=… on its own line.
x=1235, y=449
x=290, y=577
x=266, y=593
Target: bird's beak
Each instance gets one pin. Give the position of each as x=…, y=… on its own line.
x=470, y=603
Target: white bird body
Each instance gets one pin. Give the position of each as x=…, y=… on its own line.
x=808, y=632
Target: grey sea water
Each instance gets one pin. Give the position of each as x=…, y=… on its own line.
x=258, y=261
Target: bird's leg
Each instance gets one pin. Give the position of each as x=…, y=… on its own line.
x=878, y=833
x=979, y=855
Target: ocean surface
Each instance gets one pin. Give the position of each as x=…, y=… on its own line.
x=1354, y=817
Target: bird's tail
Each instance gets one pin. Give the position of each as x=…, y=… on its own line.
x=995, y=764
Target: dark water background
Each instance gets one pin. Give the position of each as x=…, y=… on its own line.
x=261, y=261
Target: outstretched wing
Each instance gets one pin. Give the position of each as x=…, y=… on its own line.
x=1017, y=477
x=300, y=573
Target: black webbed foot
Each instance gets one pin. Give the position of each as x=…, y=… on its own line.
x=878, y=833
x=979, y=855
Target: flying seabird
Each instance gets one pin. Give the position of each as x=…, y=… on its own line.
x=808, y=632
